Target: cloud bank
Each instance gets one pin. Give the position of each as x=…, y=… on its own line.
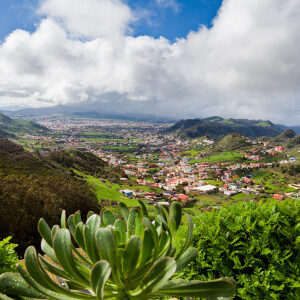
x=246, y=65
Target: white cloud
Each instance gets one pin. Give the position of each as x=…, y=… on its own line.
x=89, y=18
x=169, y=3
x=246, y=65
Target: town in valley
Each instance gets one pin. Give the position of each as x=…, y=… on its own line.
x=161, y=167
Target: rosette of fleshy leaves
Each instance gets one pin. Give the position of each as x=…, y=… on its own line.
x=129, y=255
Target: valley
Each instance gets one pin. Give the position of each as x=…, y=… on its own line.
x=160, y=166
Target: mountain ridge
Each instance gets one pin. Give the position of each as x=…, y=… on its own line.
x=10, y=126
x=217, y=127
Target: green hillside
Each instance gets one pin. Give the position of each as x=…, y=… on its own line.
x=17, y=126
x=217, y=127
x=34, y=186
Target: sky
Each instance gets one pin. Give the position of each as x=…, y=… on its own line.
x=182, y=59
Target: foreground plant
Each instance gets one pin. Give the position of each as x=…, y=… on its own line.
x=112, y=258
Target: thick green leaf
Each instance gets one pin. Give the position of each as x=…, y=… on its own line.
x=54, y=269
x=152, y=229
x=121, y=227
x=189, y=237
x=38, y=287
x=188, y=256
x=92, y=225
x=4, y=297
x=156, y=210
x=81, y=257
x=90, y=213
x=123, y=210
x=14, y=284
x=171, y=251
x=131, y=256
x=131, y=223
x=157, y=276
x=41, y=277
x=139, y=227
x=71, y=225
x=63, y=219
x=54, y=230
x=107, y=247
x=63, y=251
x=175, y=216
x=148, y=247
x=99, y=276
x=108, y=217
x=143, y=208
x=45, y=231
x=80, y=235
x=223, y=287
x=62, y=295
x=77, y=218
x=48, y=250
x=164, y=243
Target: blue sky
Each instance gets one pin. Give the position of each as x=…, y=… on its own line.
x=243, y=63
x=170, y=21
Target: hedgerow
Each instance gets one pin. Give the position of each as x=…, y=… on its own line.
x=255, y=243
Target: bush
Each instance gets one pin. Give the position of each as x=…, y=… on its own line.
x=25, y=199
x=257, y=244
x=8, y=256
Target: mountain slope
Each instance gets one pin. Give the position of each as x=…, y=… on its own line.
x=217, y=127
x=34, y=186
x=14, y=126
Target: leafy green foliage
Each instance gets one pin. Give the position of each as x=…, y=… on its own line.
x=257, y=244
x=129, y=258
x=8, y=256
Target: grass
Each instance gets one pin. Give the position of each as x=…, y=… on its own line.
x=214, y=182
x=240, y=196
x=102, y=139
x=225, y=156
x=105, y=189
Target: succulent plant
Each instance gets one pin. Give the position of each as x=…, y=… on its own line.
x=130, y=256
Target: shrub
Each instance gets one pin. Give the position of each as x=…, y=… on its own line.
x=8, y=256
x=257, y=244
x=128, y=258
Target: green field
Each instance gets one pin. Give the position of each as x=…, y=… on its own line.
x=104, y=189
x=227, y=156
x=274, y=182
x=241, y=196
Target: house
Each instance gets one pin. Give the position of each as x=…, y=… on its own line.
x=205, y=189
x=278, y=196
x=247, y=180
x=128, y=193
x=182, y=197
x=163, y=203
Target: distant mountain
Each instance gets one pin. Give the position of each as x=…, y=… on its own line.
x=217, y=127
x=294, y=128
x=9, y=126
x=79, y=111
